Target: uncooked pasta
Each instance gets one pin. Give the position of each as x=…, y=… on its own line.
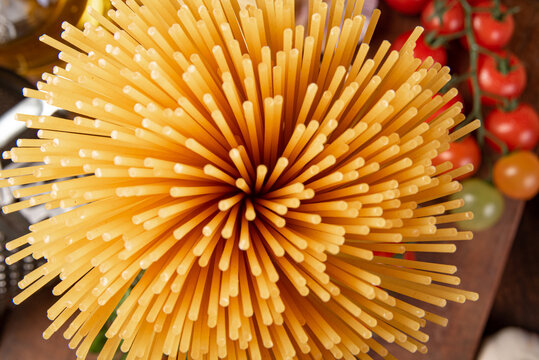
x=230, y=179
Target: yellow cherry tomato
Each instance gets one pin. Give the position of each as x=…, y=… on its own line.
x=517, y=175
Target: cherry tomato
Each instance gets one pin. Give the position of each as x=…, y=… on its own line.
x=461, y=153
x=407, y=255
x=490, y=32
x=407, y=7
x=422, y=50
x=484, y=200
x=450, y=103
x=517, y=175
x=518, y=128
x=508, y=83
x=452, y=19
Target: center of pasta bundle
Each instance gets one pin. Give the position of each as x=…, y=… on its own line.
x=230, y=178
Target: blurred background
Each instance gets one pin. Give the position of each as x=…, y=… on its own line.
x=500, y=263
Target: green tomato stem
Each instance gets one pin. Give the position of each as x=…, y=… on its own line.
x=502, y=62
x=477, y=111
x=509, y=105
x=496, y=56
x=501, y=144
x=440, y=9
x=497, y=11
x=500, y=15
x=434, y=40
x=455, y=80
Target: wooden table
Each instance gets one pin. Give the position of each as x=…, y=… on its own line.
x=481, y=262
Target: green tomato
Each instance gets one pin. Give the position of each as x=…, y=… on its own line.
x=484, y=200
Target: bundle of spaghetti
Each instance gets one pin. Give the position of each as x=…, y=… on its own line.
x=232, y=174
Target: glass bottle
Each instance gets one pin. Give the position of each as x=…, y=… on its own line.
x=22, y=22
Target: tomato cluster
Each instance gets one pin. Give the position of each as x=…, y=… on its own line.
x=497, y=78
x=422, y=49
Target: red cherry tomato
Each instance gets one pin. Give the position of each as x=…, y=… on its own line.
x=422, y=49
x=517, y=175
x=450, y=103
x=518, y=128
x=490, y=32
x=492, y=80
x=461, y=153
x=452, y=18
x=407, y=7
x=407, y=255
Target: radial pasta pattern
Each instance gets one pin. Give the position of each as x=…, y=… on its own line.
x=233, y=172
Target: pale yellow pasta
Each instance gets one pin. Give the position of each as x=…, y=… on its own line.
x=238, y=172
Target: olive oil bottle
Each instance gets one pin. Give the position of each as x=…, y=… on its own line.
x=22, y=22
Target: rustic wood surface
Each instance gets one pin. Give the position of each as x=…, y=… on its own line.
x=517, y=300
x=481, y=262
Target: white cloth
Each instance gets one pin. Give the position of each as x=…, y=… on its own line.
x=511, y=344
